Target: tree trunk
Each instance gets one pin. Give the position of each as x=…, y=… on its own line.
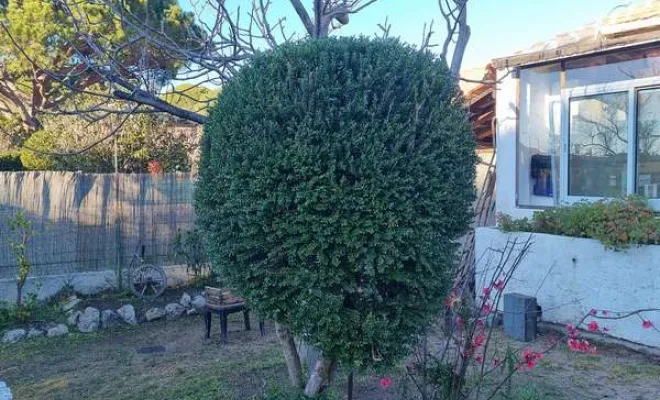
x=319, y=377
x=290, y=354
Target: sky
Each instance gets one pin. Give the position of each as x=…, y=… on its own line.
x=499, y=27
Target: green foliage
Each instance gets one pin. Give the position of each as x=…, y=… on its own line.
x=41, y=32
x=195, y=98
x=10, y=161
x=616, y=223
x=190, y=246
x=143, y=138
x=21, y=235
x=336, y=175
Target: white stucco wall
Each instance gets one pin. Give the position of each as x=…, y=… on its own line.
x=506, y=97
x=571, y=276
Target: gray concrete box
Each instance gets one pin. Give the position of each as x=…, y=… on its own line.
x=520, y=313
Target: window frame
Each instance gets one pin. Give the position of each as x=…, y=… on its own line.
x=632, y=87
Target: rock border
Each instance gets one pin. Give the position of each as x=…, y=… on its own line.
x=92, y=319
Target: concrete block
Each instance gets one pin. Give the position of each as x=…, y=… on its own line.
x=520, y=312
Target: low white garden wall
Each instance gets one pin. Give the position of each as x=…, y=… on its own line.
x=83, y=283
x=571, y=276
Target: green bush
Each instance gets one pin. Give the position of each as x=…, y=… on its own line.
x=10, y=161
x=616, y=223
x=335, y=176
x=143, y=138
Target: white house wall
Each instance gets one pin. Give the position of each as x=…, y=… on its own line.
x=506, y=98
x=571, y=276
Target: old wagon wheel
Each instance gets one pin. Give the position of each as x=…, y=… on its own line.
x=148, y=281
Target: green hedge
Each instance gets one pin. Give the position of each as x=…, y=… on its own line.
x=616, y=223
x=335, y=176
x=10, y=161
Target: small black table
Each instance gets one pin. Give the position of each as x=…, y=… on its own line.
x=224, y=310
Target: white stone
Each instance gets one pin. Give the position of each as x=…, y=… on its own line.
x=35, y=333
x=154, y=314
x=5, y=393
x=185, y=300
x=90, y=320
x=174, y=310
x=127, y=313
x=109, y=319
x=13, y=336
x=74, y=317
x=58, y=330
x=198, y=301
x=71, y=303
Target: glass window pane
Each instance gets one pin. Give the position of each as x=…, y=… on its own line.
x=598, y=142
x=539, y=136
x=648, y=143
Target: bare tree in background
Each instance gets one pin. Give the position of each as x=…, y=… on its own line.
x=216, y=45
x=219, y=42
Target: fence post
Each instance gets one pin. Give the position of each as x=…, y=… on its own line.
x=118, y=235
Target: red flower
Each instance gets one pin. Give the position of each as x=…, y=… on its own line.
x=478, y=340
x=572, y=331
x=646, y=324
x=154, y=167
x=499, y=285
x=386, y=382
x=530, y=357
x=486, y=291
x=581, y=346
x=593, y=326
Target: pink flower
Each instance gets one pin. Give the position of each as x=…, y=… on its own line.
x=487, y=308
x=480, y=324
x=593, y=311
x=459, y=321
x=486, y=291
x=593, y=326
x=478, y=340
x=530, y=357
x=479, y=358
x=572, y=331
x=646, y=324
x=386, y=382
x=581, y=346
x=499, y=285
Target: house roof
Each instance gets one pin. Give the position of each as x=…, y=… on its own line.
x=623, y=27
x=478, y=96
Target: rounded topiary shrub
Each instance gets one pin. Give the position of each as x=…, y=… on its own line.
x=335, y=177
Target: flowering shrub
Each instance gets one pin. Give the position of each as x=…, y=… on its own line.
x=465, y=367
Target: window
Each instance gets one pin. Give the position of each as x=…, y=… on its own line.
x=589, y=128
x=648, y=143
x=611, y=140
x=598, y=145
x=539, y=136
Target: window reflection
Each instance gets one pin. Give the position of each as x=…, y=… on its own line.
x=648, y=143
x=598, y=140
